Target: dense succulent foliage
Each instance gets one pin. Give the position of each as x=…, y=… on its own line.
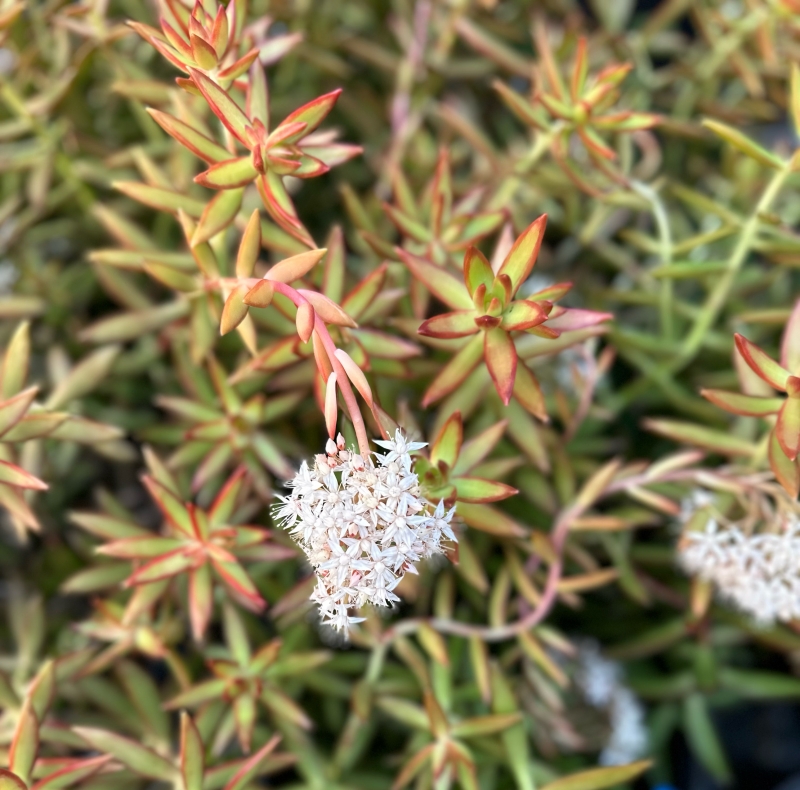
x=467, y=327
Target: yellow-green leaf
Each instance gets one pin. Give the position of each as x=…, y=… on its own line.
x=599, y=778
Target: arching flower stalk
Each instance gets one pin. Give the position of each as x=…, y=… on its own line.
x=314, y=310
x=363, y=525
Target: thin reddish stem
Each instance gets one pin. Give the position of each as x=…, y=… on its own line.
x=499, y=633
x=330, y=349
x=341, y=376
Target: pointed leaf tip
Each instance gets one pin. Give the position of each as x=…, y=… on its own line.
x=521, y=258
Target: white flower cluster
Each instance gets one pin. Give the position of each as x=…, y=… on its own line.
x=362, y=525
x=757, y=572
x=600, y=680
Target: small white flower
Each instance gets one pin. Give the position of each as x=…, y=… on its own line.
x=361, y=525
x=755, y=571
x=398, y=448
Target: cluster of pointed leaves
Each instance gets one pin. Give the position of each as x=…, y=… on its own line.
x=584, y=106
x=35, y=731
x=200, y=46
x=445, y=745
x=436, y=225
x=189, y=765
x=446, y=741
x=783, y=376
x=22, y=419
x=345, y=311
x=200, y=546
x=223, y=431
x=210, y=42
x=247, y=679
x=125, y=630
x=446, y=475
x=17, y=423
x=454, y=473
x=27, y=768
x=485, y=309
x=206, y=37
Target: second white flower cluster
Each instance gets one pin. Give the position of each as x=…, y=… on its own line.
x=757, y=572
x=362, y=525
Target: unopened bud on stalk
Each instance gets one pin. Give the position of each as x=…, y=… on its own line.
x=305, y=321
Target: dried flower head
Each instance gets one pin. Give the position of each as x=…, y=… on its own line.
x=362, y=525
x=751, y=558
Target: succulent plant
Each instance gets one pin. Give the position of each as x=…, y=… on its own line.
x=479, y=361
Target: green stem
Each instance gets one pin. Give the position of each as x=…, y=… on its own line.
x=376, y=663
x=761, y=452
x=348, y=741
x=63, y=165
x=541, y=145
x=665, y=253
x=716, y=299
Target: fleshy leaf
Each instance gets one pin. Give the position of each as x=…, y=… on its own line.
x=787, y=472
x=234, y=310
x=16, y=361
x=748, y=405
x=312, y=114
x=327, y=309
x=249, y=769
x=13, y=409
x=138, y=758
x=501, y=359
x=570, y=319
x=787, y=428
x=217, y=215
x=249, y=246
x=455, y=371
x=9, y=780
x=235, y=577
x=449, y=325
x=191, y=755
x=767, y=369
x=222, y=105
x=448, y=442
x=476, y=489
x=529, y=394
x=744, y=144
x=523, y=315
x=164, y=567
x=443, y=285
x=600, y=778
x=790, y=347
x=291, y=269
x=173, y=509
x=359, y=299
x=490, y=520
x=520, y=260
x=25, y=743
x=260, y=295
x=718, y=441
x=200, y=145
x=228, y=174
x=13, y=475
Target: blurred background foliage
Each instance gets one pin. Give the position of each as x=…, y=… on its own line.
x=685, y=232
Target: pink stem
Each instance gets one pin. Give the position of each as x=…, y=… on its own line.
x=499, y=633
x=341, y=376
